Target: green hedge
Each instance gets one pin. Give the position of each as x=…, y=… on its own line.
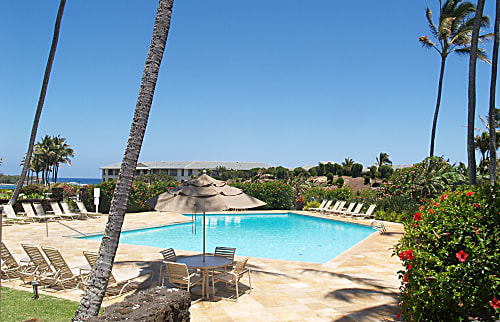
x=276, y=194
x=139, y=193
x=451, y=254
x=320, y=194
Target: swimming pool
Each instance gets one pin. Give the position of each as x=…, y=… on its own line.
x=285, y=236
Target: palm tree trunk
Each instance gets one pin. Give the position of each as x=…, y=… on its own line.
x=41, y=100
x=438, y=103
x=96, y=286
x=491, y=119
x=471, y=154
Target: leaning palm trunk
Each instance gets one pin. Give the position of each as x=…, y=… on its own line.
x=438, y=103
x=39, y=107
x=96, y=286
x=471, y=156
x=493, y=85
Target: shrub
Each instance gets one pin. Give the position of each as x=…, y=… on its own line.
x=356, y=170
x=373, y=171
x=299, y=202
x=450, y=254
x=385, y=171
x=276, y=194
x=346, y=171
x=339, y=182
x=31, y=190
x=367, y=180
x=312, y=204
x=320, y=194
x=329, y=178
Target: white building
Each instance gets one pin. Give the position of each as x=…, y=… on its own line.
x=179, y=170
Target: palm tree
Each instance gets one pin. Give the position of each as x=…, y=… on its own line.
x=482, y=142
x=348, y=162
x=96, y=286
x=474, y=54
x=453, y=35
x=41, y=99
x=493, y=110
x=382, y=159
x=62, y=154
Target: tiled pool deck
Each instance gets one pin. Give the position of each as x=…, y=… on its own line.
x=359, y=285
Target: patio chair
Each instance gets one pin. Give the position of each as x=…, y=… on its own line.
x=116, y=288
x=179, y=276
x=320, y=206
x=327, y=205
x=368, y=213
x=233, y=277
x=168, y=256
x=41, y=270
x=11, y=215
x=349, y=209
x=30, y=213
x=354, y=212
x=67, y=210
x=58, y=212
x=227, y=252
x=41, y=212
x=10, y=268
x=63, y=276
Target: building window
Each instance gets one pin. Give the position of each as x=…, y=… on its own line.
x=182, y=172
x=173, y=172
x=190, y=172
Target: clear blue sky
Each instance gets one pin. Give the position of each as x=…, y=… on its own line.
x=283, y=82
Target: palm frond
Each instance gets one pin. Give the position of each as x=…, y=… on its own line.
x=445, y=28
x=464, y=51
x=426, y=42
x=432, y=26
x=481, y=54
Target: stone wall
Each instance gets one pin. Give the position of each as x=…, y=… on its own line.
x=151, y=305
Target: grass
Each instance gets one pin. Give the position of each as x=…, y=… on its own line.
x=20, y=305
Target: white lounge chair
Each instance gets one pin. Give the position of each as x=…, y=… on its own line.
x=349, y=209
x=340, y=207
x=320, y=206
x=67, y=210
x=368, y=213
x=333, y=208
x=328, y=204
x=30, y=213
x=83, y=209
x=58, y=212
x=11, y=215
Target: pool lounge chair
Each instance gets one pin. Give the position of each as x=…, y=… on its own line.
x=58, y=212
x=10, y=268
x=233, y=277
x=30, y=213
x=333, y=208
x=368, y=213
x=349, y=209
x=328, y=204
x=11, y=215
x=64, y=276
x=339, y=207
x=117, y=288
x=41, y=269
x=83, y=210
x=320, y=206
x=67, y=210
x=41, y=212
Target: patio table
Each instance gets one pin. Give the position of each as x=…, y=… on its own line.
x=211, y=262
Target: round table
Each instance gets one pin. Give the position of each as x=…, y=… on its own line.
x=211, y=262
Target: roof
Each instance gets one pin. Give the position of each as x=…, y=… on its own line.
x=230, y=165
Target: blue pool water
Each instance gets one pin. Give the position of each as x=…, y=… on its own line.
x=277, y=236
x=7, y=186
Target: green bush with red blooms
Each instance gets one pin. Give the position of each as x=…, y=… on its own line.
x=451, y=257
x=139, y=194
x=276, y=194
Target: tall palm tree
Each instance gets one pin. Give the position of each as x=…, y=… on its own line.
x=474, y=54
x=382, y=159
x=62, y=154
x=98, y=281
x=453, y=35
x=492, y=110
x=348, y=162
x=41, y=99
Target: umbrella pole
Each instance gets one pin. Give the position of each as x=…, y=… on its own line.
x=203, y=236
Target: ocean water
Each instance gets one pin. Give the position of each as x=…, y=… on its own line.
x=80, y=181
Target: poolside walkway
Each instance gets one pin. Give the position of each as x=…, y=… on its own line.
x=359, y=285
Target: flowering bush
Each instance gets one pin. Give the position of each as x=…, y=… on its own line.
x=276, y=194
x=450, y=252
x=320, y=194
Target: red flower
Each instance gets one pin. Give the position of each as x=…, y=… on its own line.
x=405, y=278
x=436, y=204
x=421, y=208
x=417, y=216
x=279, y=189
x=476, y=230
x=443, y=197
x=470, y=193
x=402, y=255
x=409, y=266
x=398, y=316
x=415, y=224
x=431, y=211
x=476, y=205
x=462, y=256
x=409, y=254
x=495, y=303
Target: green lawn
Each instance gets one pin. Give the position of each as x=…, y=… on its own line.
x=20, y=306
